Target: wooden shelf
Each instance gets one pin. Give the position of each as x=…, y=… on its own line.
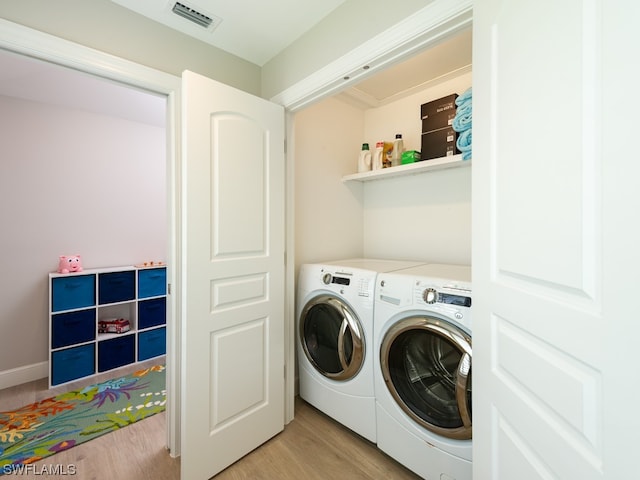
x=454, y=161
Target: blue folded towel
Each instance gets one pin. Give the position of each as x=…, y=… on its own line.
x=464, y=97
x=466, y=155
x=464, y=141
x=461, y=122
x=465, y=108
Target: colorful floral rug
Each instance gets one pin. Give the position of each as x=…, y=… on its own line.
x=43, y=428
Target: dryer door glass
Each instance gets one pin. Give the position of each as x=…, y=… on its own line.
x=428, y=368
x=331, y=338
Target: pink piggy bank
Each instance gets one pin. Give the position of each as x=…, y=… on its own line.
x=70, y=263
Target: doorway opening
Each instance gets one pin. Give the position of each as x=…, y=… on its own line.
x=93, y=161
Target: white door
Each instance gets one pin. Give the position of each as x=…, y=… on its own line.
x=233, y=244
x=555, y=246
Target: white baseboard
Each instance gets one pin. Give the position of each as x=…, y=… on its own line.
x=20, y=375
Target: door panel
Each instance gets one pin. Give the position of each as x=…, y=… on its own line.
x=238, y=186
x=537, y=248
x=233, y=207
x=558, y=239
x=233, y=399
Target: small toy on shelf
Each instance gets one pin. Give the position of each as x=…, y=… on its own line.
x=69, y=263
x=114, y=325
x=150, y=264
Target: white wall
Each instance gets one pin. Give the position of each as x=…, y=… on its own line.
x=328, y=213
x=71, y=182
x=420, y=217
x=425, y=216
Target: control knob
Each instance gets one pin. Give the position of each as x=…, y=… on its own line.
x=326, y=278
x=430, y=295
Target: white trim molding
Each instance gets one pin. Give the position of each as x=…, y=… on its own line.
x=438, y=20
x=33, y=43
x=20, y=375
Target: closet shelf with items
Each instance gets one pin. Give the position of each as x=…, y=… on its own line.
x=452, y=161
x=445, y=142
x=102, y=319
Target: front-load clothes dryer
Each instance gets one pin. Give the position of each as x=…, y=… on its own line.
x=335, y=350
x=422, y=369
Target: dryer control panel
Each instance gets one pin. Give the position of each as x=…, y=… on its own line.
x=328, y=278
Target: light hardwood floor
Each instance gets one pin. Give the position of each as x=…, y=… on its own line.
x=311, y=447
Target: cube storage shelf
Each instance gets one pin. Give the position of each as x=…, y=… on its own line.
x=78, y=301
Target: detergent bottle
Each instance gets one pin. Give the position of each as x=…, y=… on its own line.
x=398, y=149
x=364, y=162
x=378, y=158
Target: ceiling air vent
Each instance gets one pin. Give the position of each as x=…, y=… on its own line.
x=192, y=15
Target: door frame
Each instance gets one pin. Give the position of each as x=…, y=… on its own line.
x=425, y=28
x=35, y=44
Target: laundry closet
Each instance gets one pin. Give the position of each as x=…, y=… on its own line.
x=418, y=214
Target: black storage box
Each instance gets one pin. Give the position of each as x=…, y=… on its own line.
x=438, y=106
x=438, y=113
x=438, y=121
x=439, y=143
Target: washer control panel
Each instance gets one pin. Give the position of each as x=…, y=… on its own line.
x=453, y=300
x=430, y=296
x=457, y=294
x=448, y=298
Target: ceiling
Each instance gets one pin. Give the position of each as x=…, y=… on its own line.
x=253, y=30
x=39, y=81
x=275, y=24
x=449, y=58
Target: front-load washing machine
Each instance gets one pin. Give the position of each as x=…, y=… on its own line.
x=335, y=351
x=422, y=369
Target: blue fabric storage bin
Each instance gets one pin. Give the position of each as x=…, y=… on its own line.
x=116, y=287
x=152, y=343
x=73, y=327
x=152, y=282
x=72, y=363
x=74, y=291
x=116, y=352
x=152, y=312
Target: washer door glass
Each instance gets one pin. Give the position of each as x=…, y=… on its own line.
x=332, y=338
x=426, y=364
